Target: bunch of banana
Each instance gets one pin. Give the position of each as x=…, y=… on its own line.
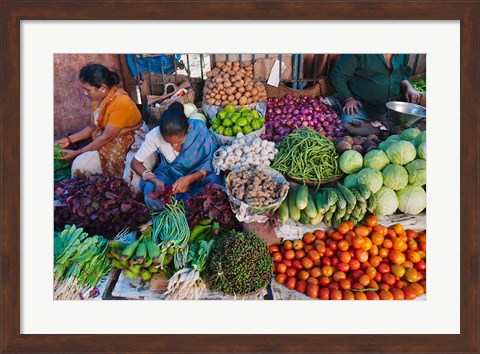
x=205, y=230
x=140, y=258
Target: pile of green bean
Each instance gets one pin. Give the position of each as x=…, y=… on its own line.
x=307, y=155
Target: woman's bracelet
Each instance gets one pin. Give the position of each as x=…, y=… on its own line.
x=204, y=173
x=146, y=174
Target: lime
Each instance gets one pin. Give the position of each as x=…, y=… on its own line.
x=256, y=124
x=229, y=115
x=255, y=114
x=261, y=120
x=242, y=122
x=235, y=117
x=220, y=130
x=215, y=126
x=237, y=129
x=247, y=129
x=229, y=108
x=221, y=114
x=243, y=109
x=228, y=132
x=227, y=122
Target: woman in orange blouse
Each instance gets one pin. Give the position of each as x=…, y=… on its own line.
x=114, y=119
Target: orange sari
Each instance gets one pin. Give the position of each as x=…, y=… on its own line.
x=112, y=155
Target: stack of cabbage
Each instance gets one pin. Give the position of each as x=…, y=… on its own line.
x=396, y=172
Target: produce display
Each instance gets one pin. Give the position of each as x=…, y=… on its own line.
x=354, y=262
x=244, y=151
x=80, y=262
x=358, y=143
x=101, y=204
x=61, y=169
x=191, y=112
x=330, y=205
x=239, y=263
x=228, y=83
x=288, y=113
x=255, y=187
x=307, y=155
x=395, y=173
x=230, y=121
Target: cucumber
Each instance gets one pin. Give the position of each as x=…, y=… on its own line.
x=348, y=195
x=357, y=195
x=364, y=190
x=372, y=203
x=319, y=202
x=293, y=211
x=317, y=220
x=331, y=197
x=302, y=197
x=311, y=209
x=304, y=219
x=341, y=202
x=283, y=211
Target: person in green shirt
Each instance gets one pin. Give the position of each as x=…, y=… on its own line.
x=365, y=82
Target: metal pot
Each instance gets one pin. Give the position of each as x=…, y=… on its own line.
x=405, y=113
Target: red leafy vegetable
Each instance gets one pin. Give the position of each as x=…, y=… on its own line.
x=102, y=205
x=163, y=194
x=211, y=203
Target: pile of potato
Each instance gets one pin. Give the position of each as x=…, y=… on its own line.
x=359, y=143
x=254, y=187
x=230, y=83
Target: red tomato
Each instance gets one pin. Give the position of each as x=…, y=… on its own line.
x=411, y=275
x=354, y=264
x=309, y=238
x=344, y=257
x=281, y=268
x=386, y=295
x=281, y=278
x=372, y=295
x=371, y=220
x=291, y=272
x=277, y=256
x=314, y=255
x=343, y=245
x=339, y=275
x=323, y=280
x=344, y=267
x=333, y=285
x=413, y=256
x=289, y=254
x=337, y=236
x=422, y=246
x=336, y=294
x=326, y=261
x=287, y=262
x=388, y=278
x=287, y=245
x=371, y=272
x=417, y=288
x=378, y=277
x=320, y=247
x=297, y=264
x=291, y=283
x=358, y=241
x=315, y=272
x=345, y=284
x=297, y=244
x=361, y=230
x=319, y=234
x=343, y=228
x=364, y=280
x=383, y=268
x=383, y=286
x=327, y=270
x=335, y=260
x=397, y=257
x=398, y=270
x=273, y=248
x=348, y=295
x=397, y=294
x=360, y=295
x=303, y=275
x=332, y=244
x=324, y=294
x=308, y=248
x=299, y=254
x=357, y=286
x=307, y=263
x=421, y=265
x=312, y=280
x=409, y=293
x=301, y=286
x=356, y=274
x=361, y=255
x=328, y=252
x=312, y=290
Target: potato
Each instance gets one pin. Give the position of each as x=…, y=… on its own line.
x=359, y=140
x=236, y=63
x=369, y=143
x=219, y=87
x=237, y=77
x=211, y=85
x=358, y=148
x=218, y=79
x=219, y=64
x=235, y=68
x=231, y=98
x=248, y=68
x=218, y=96
x=348, y=139
x=243, y=71
x=227, y=84
x=228, y=63
x=215, y=72
x=249, y=100
x=235, y=102
x=255, y=98
x=226, y=77
x=217, y=102
x=224, y=97
x=239, y=83
x=225, y=102
x=209, y=74
x=343, y=146
x=212, y=94
x=243, y=101
x=211, y=101
x=254, y=91
x=225, y=68
x=238, y=95
x=230, y=90
x=231, y=72
x=215, y=90
x=248, y=94
x=249, y=87
x=373, y=137
x=241, y=89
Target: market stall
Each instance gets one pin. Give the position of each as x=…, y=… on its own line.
x=307, y=210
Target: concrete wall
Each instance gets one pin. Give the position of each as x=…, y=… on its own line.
x=71, y=106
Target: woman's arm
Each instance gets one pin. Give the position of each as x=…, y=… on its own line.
x=83, y=134
x=182, y=184
x=108, y=135
x=146, y=175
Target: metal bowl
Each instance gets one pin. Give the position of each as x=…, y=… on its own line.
x=405, y=113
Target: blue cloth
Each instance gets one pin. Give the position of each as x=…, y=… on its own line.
x=161, y=64
x=361, y=116
x=196, y=154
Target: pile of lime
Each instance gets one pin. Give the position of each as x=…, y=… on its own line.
x=230, y=122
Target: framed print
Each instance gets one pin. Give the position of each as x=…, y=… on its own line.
x=34, y=31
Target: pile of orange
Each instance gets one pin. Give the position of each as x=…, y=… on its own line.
x=362, y=262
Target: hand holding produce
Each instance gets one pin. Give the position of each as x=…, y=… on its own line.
x=230, y=83
x=244, y=151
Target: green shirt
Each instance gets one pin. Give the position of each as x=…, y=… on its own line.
x=367, y=78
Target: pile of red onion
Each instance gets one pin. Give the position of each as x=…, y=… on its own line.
x=286, y=114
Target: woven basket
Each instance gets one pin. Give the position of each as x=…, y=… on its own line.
x=167, y=99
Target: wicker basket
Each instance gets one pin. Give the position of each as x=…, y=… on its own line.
x=167, y=99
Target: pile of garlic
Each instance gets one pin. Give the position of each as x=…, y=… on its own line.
x=244, y=151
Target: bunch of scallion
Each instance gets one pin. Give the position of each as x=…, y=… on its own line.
x=80, y=263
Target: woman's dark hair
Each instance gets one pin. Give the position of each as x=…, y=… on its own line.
x=173, y=123
x=97, y=74
x=176, y=106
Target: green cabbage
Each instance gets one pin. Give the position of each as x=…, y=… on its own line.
x=420, y=138
x=395, y=177
x=351, y=161
x=410, y=133
x=372, y=178
x=350, y=180
x=189, y=108
x=422, y=150
x=394, y=137
x=401, y=152
x=412, y=200
x=376, y=159
x=385, y=144
x=417, y=172
x=387, y=202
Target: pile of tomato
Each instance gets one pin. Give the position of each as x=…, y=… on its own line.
x=354, y=262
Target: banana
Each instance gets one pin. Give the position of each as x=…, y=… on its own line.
x=141, y=252
x=130, y=274
x=146, y=275
x=117, y=264
x=129, y=250
x=117, y=245
x=147, y=262
x=152, y=249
